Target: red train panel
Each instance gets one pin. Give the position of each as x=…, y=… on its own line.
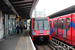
x=40, y=28
x=64, y=28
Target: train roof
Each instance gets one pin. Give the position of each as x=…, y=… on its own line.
x=63, y=12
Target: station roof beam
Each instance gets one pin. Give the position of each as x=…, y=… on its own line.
x=23, y=7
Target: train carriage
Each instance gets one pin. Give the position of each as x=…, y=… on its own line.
x=65, y=28
x=40, y=29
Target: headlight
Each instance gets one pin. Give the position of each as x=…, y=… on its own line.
x=34, y=33
x=47, y=32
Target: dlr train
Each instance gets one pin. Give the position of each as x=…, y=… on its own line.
x=40, y=29
x=63, y=28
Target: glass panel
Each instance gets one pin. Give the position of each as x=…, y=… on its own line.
x=41, y=26
x=55, y=24
x=46, y=26
x=64, y=23
x=35, y=25
x=59, y=24
x=68, y=23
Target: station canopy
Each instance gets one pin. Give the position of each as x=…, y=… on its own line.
x=22, y=8
x=63, y=12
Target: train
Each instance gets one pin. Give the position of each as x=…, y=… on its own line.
x=63, y=28
x=40, y=29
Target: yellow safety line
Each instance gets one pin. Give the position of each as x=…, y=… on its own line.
x=27, y=43
x=19, y=44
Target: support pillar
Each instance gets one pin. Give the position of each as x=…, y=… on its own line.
x=1, y=25
x=6, y=25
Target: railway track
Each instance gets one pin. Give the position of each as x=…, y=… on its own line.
x=60, y=45
x=52, y=45
x=44, y=47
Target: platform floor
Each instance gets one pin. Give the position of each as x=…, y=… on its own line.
x=17, y=42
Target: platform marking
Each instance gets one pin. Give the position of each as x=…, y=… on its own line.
x=20, y=41
x=31, y=42
x=27, y=43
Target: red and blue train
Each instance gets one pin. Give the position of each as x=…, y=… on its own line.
x=63, y=28
x=40, y=29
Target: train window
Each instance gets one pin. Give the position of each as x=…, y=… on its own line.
x=41, y=25
x=35, y=27
x=68, y=23
x=62, y=24
x=46, y=26
x=59, y=24
x=53, y=24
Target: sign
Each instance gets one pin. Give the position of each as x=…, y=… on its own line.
x=12, y=16
x=17, y=18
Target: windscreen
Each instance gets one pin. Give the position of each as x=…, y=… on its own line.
x=40, y=24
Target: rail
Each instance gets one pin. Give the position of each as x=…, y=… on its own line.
x=44, y=47
x=62, y=45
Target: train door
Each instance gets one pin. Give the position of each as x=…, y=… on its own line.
x=55, y=26
x=64, y=28
x=68, y=30
x=60, y=26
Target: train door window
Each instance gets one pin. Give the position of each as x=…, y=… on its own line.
x=46, y=26
x=54, y=24
x=58, y=23
x=68, y=19
x=62, y=24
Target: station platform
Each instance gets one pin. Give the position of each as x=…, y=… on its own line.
x=20, y=41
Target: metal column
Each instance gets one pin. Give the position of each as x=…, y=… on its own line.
x=6, y=25
x=1, y=25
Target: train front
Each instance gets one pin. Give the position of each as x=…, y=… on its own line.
x=40, y=29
